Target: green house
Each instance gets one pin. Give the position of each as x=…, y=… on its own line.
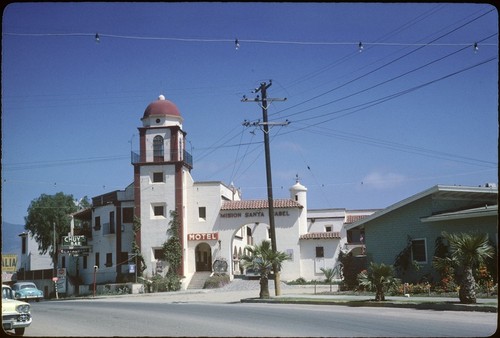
x=413, y=225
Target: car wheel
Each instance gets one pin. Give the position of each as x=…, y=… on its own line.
x=19, y=331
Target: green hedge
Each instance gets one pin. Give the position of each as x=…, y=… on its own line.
x=216, y=281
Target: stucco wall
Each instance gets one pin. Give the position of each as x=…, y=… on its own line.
x=310, y=265
x=387, y=235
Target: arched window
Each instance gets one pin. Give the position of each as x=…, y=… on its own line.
x=158, y=149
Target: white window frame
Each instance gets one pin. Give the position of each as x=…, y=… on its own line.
x=425, y=250
x=153, y=215
x=153, y=177
x=202, y=218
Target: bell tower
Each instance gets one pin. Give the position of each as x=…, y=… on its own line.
x=160, y=173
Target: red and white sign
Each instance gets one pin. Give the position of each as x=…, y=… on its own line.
x=203, y=236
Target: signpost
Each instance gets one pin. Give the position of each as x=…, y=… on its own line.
x=55, y=279
x=61, y=280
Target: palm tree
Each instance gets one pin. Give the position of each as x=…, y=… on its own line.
x=329, y=274
x=468, y=250
x=379, y=277
x=261, y=258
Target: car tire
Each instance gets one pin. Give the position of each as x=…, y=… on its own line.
x=19, y=331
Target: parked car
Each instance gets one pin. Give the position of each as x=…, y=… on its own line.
x=16, y=314
x=27, y=291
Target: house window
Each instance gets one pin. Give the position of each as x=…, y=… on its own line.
x=202, y=213
x=159, y=254
x=109, y=260
x=328, y=228
x=111, y=222
x=23, y=244
x=63, y=262
x=418, y=250
x=96, y=259
x=320, y=252
x=97, y=223
x=159, y=210
x=158, y=177
x=158, y=149
x=85, y=262
x=128, y=215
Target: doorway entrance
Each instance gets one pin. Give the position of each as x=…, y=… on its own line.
x=203, y=253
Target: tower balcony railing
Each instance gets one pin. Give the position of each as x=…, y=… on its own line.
x=134, y=157
x=188, y=158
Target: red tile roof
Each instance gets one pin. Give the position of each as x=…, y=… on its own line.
x=354, y=218
x=321, y=235
x=259, y=204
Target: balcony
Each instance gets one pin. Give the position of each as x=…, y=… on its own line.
x=108, y=228
x=135, y=158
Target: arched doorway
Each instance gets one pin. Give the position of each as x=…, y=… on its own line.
x=203, y=253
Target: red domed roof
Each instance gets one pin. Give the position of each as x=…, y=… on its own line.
x=161, y=107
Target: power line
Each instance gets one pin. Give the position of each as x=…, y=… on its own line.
x=378, y=101
x=57, y=163
x=99, y=36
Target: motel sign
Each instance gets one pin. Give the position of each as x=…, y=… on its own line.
x=203, y=236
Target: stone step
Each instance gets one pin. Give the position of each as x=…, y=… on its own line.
x=198, y=280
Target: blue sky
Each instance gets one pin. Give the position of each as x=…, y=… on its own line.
x=418, y=106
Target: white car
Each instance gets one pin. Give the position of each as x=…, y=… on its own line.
x=16, y=314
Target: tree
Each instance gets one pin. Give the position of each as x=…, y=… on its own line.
x=261, y=258
x=468, y=251
x=136, y=249
x=349, y=268
x=379, y=277
x=49, y=218
x=172, y=251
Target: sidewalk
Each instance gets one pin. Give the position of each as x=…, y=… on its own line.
x=247, y=292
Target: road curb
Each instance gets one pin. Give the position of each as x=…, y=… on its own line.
x=371, y=303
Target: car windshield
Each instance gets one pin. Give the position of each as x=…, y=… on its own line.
x=7, y=293
x=28, y=286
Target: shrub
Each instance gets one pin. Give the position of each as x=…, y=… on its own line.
x=298, y=281
x=171, y=282
x=216, y=281
x=351, y=267
x=409, y=288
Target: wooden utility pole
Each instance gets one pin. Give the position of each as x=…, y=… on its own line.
x=265, y=125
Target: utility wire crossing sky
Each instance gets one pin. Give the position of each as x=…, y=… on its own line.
x=382, y=100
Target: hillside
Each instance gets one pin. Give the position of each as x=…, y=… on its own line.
x=11, y=243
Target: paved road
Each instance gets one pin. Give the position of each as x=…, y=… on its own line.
x=219, y=313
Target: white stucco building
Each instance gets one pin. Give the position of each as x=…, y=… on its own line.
x=216, y=223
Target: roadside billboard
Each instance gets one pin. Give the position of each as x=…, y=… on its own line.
x=9, y=262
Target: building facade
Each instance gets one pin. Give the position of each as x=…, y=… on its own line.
x=215, y=223
x=419, y=220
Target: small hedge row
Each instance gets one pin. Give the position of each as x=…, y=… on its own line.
x=216, y=281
